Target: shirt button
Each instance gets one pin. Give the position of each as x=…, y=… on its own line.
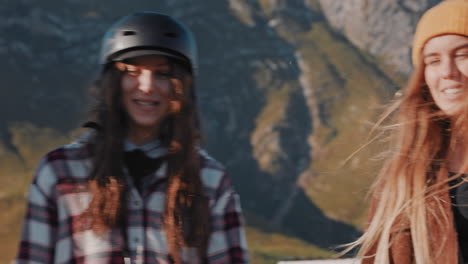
x=136, y=203
x=136, y=240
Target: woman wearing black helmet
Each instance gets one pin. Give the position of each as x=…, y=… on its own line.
x=137, y=188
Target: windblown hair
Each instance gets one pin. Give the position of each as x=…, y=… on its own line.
x=186, y=212
x=408, y=188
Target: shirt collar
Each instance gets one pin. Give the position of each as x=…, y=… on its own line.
x=152, y=149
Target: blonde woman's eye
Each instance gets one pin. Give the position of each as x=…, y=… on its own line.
x=463, y=55
x=431, y=61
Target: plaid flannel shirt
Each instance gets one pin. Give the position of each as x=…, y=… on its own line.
x=53, y=232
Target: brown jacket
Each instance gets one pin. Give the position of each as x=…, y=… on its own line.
x=401, y=251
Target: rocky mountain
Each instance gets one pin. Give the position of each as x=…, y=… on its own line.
x=288, y=90
x=383, y=29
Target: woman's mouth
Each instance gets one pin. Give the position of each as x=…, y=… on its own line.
x=453, y=92
x=146, y=104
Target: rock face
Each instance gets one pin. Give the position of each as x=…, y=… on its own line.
x=286, y=90
x=383, y=28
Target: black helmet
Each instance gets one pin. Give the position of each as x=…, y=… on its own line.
x=149, y=33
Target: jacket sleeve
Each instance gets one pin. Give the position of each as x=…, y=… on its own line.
x=227, y=242
x=37, y=242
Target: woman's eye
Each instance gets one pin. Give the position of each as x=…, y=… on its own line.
x=461, y=55
x=431, y=61
x=132, y=72
x=163, y=75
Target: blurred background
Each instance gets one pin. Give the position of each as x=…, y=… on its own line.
x=288, y=90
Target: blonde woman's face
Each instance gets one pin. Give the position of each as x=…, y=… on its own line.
x=446, y=71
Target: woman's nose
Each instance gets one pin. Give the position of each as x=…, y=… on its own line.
x=449, y=69
x=146, y=82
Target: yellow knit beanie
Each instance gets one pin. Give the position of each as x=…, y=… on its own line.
x=448, y=17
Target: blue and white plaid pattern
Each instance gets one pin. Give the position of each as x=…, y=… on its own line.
x=54, y=232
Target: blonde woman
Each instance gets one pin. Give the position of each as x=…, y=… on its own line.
x=419, y=208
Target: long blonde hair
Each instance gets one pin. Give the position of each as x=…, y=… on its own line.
x=408, y=188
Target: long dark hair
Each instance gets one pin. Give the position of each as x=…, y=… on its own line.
x=186, y=215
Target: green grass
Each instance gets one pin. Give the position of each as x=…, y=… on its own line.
x=265, y=139
x=12, y=208
x=268, y=248
x=17, y=169
x=344, y=95
x=266, y=6
x=243, y=11
x=354, y=91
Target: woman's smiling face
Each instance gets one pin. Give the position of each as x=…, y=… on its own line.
x=146, y=89
x=446, y=71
